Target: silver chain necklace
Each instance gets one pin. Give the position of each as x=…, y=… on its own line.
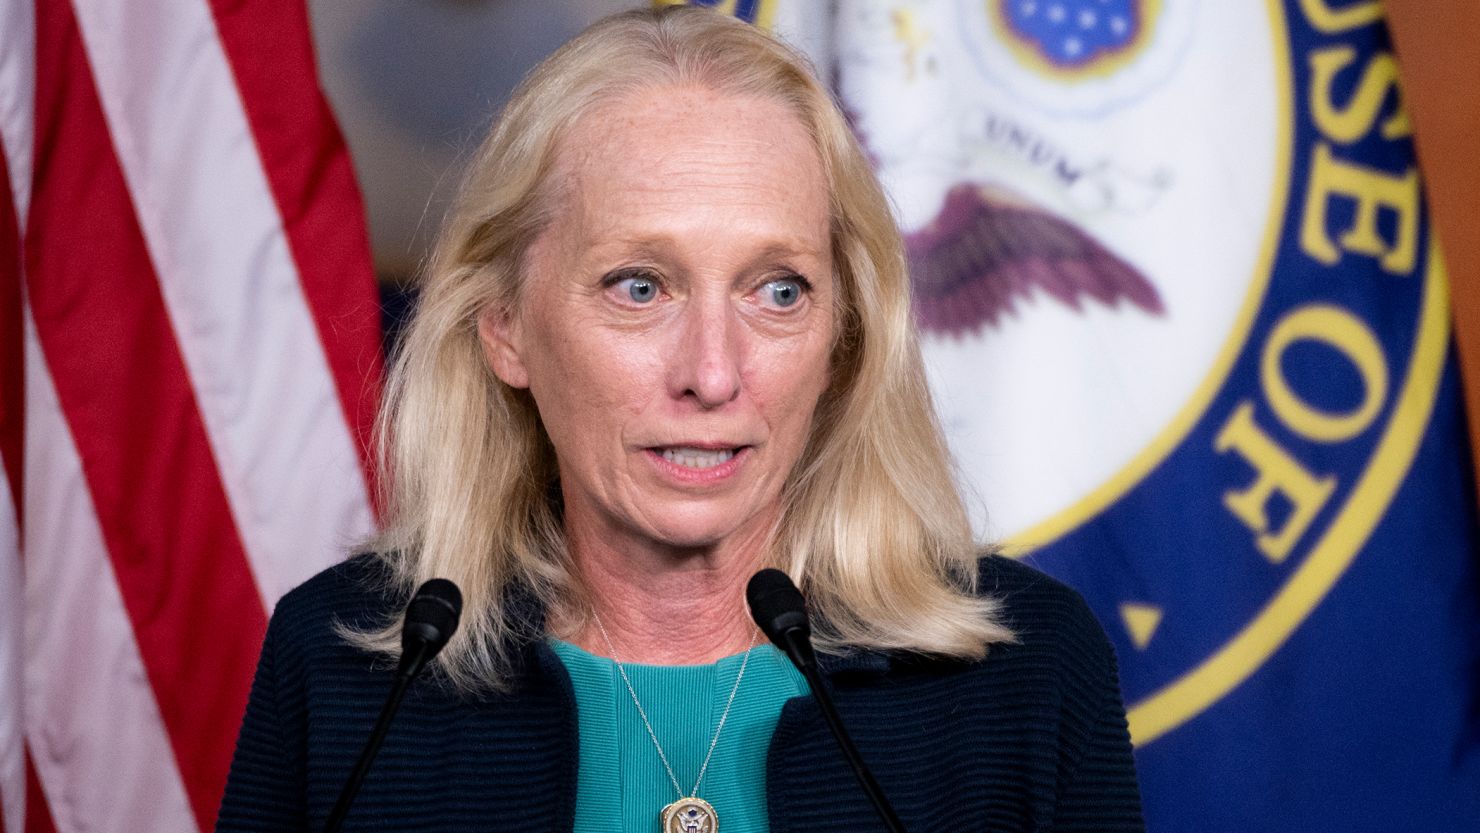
x=690, y=813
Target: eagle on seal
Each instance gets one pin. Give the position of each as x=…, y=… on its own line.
x=985, y=250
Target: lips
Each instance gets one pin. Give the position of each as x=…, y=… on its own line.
x=702, y=464
x=694, y=457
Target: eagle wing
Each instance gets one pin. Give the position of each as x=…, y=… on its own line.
x=983, y=253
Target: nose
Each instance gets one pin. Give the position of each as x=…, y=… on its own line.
x=705, y=366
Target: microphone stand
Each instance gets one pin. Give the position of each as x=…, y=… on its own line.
x=779, y=609
x=367, y=755
x=431, y=619
x=866, y=779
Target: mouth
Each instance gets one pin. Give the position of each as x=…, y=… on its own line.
x=699, y=464
x=696, y=457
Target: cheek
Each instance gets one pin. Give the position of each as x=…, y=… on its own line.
x=794, y=382
x=586, y=387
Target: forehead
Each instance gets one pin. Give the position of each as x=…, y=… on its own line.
x=671, y=153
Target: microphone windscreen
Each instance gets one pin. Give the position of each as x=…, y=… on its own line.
x=433, y=614
x=776, y=604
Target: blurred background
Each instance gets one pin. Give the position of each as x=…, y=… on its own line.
x=1194, y=225
x=415, y=86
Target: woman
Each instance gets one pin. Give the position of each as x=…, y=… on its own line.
x=665, y=341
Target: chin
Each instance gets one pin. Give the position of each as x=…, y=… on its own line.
x=692, y=538
x=703, y=529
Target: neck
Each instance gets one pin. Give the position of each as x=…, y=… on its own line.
x=665, y=606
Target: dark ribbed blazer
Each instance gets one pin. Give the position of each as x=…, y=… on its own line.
x=1033, y=738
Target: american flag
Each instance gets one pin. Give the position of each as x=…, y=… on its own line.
x=189, y=362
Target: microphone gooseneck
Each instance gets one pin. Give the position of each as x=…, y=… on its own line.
x=431, y=619
x=781, y=613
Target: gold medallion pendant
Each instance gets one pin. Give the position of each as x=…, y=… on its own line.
x=690, y=815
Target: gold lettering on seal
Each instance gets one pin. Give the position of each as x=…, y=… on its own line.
x=1371, y=189
x=1276, y=470
x=1343, y=331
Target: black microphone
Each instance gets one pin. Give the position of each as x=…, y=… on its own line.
x=779, y=609
x=431, y=620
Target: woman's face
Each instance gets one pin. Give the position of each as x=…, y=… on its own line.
x=676, y=319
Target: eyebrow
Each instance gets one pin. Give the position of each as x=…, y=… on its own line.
x=656, y=247
x=787, y=250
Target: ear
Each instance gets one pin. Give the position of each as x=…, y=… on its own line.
x=502, y=346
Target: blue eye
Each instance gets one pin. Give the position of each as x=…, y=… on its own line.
x=641, y=290
x=785, y=292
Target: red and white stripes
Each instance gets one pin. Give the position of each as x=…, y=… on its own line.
x=12, y=439
x=200, y=342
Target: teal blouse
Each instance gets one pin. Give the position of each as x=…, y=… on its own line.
x=622, y=784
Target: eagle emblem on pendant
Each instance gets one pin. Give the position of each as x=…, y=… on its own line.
x=690, y=815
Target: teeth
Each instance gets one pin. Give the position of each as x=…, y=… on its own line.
x=697, y=458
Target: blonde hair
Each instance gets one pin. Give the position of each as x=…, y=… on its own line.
x=873, y=528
